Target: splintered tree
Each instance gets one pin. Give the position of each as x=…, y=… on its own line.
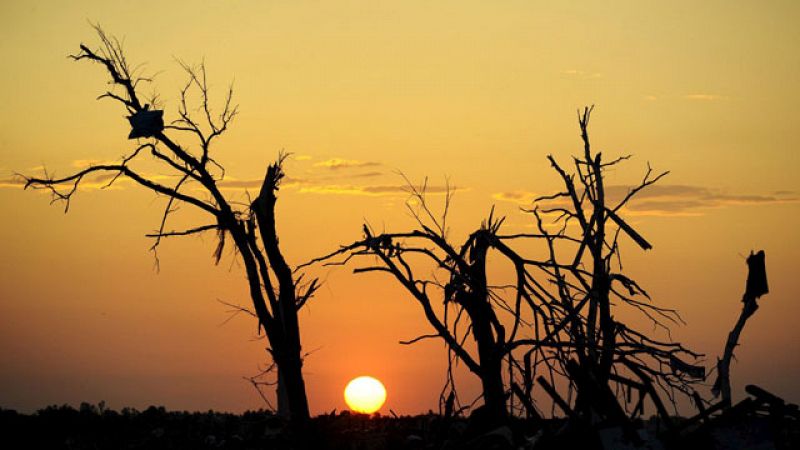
x=606, y=353
x=755, y=287
x=554, y=323
x=275, y=293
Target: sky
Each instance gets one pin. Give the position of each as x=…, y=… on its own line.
x=362, y=93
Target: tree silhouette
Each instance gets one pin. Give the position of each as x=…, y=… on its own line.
x=554, y=324
x=604, y=351
x=276, y=293
x=466, y=290
x=755, y=287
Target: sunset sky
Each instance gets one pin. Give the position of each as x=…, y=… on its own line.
x=359, y=92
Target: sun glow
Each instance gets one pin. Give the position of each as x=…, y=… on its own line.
x=365, y=395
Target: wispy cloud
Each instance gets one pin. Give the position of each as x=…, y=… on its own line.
x=696, y=97
x=240, y=184
x=667, y=199
x=366, y=175
x=98, y=181
x=521, y=197
x=704, y=97
x=371, y=190
x=230, y=183
x=581, y=75
x=84, y=163
x=338, y=163
x=12, y=182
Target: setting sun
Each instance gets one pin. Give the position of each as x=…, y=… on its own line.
x=365, y=395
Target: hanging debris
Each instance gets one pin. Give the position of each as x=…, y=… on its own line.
x=678, y=366
x=146, y=123
x=756, y=277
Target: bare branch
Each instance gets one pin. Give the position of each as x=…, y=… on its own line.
x=187, y=232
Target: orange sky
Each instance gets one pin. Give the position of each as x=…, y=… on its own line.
x=479, y=92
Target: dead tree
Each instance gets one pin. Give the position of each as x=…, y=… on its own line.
x=554, y=324
x=471, y=306
x=275, y=293
x=607, y=355
x=755, y=287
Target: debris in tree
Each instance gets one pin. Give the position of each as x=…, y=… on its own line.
x=678, y=366
x=146, y=123
x=756, y=276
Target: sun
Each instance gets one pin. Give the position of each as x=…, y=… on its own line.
x=365, y=394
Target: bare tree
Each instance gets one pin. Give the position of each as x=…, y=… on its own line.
x=607, y=352
x=460, y=282
x=554, y=323
x=275, y=293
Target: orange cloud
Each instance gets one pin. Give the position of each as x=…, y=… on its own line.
x=704, y=97
x=521, y=197
x=84, y=163
x=12, y=182
x=664, y=200
x=372, y=190
x=233, y=183
x=581, y=75
x=338, y=163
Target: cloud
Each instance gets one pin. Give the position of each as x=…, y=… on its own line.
x=12, y=182
x=98, y=181
x=581, y=75
x=366, y=175
x=371, y=190
x=521, y=197
x=704, y=97
x=84, y=163
x=303, y=157
x=101, y=179
x=239, y=184
x=343, y=189
x=233, y=183
x=707, y=196
x=338, y=163
x=664, y=200
x=698, y=97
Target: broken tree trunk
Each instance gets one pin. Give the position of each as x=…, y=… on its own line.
x=488, y=338
x=756, y=287
x=286, y=348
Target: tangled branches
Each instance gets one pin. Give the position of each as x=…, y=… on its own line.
x=553, y=324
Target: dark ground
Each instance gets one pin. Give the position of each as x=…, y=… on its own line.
x=95, y=427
